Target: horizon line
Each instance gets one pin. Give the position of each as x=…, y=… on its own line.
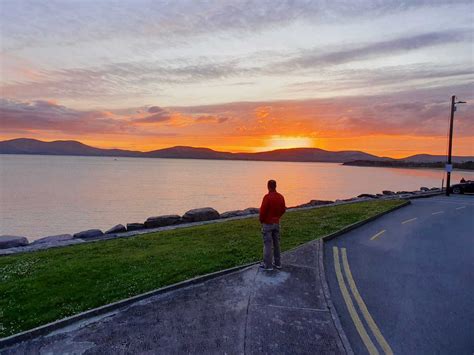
x=219, y=151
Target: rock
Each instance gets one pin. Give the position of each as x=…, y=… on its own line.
x=119, y=228
x=378, y=195
x=90, y=233
x=135, y=226
x=315, y=203
x=201, y=214
x=53, y=239
x=234, y=213
x=12, y=241
x=320, y=202
x=162, y=221
x=388, y=192
x=435, y=189
x=367, y=195
x=423, y=188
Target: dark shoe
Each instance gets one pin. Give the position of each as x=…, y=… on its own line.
x=277, y=266
x=262, y=266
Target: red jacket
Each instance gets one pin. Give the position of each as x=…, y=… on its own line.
x=273, y=207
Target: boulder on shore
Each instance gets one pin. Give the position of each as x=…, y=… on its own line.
x=250, y=210
x=53, y=239
x=367, y=195
x=238, y=213
x=234, y=213
x=315, y=203
x=119, y=228
x=388, y=193
x=435, y=189
x=90, y=233
x=12, y=241
x=423, y=188
x=162, y=221
x=135, y=226
x=320, y=202
x=201, y=214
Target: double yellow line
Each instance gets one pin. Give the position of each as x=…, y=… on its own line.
x=360, y=303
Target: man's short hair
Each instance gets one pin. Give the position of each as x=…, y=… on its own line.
x=272, y=184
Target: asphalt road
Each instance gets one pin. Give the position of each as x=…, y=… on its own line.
x=405, y=282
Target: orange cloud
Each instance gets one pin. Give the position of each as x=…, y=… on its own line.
x=263, y=112
x=382, y=126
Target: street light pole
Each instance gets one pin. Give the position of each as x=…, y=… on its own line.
x=450, y=149
x=449, y=166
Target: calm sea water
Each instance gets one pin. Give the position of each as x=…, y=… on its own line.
x=47, y=195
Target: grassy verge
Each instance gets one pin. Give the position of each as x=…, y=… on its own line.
x=40, y=287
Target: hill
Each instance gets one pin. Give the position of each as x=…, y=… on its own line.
x=426, y=158
x=307, y=155
x=181, y=152
x=33, y=146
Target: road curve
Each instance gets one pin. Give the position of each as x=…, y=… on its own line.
x=404, y=283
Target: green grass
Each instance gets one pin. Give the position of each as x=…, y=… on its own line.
x=40, y=287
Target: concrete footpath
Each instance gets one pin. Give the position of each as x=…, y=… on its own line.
x=247, y=312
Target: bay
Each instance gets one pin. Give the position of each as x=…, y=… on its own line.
x=47, y=195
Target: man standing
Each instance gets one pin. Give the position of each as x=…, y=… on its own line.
x=273, y=207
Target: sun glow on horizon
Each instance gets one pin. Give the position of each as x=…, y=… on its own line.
x=288, y=142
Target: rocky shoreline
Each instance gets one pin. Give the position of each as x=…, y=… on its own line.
x=10, y=244
x=465, y=165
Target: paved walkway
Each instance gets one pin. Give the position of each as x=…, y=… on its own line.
x=405, y=282
x=246, y=312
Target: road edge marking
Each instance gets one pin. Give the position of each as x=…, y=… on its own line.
x=439, y=212
x=350, y=305
x=460, y=208
x=378, y=234
x=409, y=220
x=363, y=307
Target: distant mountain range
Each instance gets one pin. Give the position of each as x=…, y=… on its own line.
x=33, y=146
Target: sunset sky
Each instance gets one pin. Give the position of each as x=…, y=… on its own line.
x=239, y=75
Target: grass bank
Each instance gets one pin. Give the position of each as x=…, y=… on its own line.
x=40, y=287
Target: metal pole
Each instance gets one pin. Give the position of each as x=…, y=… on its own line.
x=450, y=149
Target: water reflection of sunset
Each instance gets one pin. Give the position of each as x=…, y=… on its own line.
x=151, y=189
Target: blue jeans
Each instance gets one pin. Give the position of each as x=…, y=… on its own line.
x=271, y=237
